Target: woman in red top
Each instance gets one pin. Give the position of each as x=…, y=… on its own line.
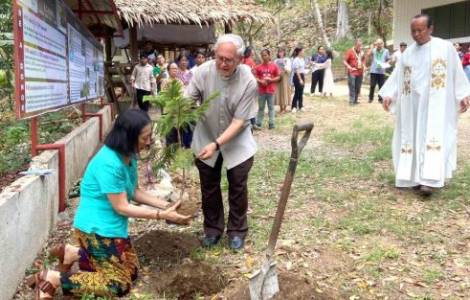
x=267, y=74
x=248, y=58
x=466, y=63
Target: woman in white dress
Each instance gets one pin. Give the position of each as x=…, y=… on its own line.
x=328, y=80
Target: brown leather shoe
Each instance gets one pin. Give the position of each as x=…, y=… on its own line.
x=59, y=252
x=425, y=190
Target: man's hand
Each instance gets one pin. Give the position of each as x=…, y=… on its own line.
x=386, y=103
x=464, y=104
x=207, y=151
x=170, y=214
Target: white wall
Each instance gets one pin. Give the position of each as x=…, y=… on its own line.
x=405, y=10
x=28, y=207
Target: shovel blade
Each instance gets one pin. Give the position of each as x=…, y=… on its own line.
x=263, y=283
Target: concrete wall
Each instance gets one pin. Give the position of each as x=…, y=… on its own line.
x=28, y=207
x=404, y=10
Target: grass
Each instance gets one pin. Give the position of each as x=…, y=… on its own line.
x=379, y=254
x=343, y=198
x=432, y=275
x=343, y=206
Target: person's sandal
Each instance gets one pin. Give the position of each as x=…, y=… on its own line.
x=59, y=252
x=39, y=284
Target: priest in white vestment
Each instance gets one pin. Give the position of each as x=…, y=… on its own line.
x=426, y=91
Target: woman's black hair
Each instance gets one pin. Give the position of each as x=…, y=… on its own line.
x=296, y=51
x=180, y=57
x=329, y=54
x=267, y=51
x=281, y=50
x=247, y=52
x=169, y=65
x=124, y=135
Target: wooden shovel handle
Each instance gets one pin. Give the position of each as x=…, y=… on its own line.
x=297, y=148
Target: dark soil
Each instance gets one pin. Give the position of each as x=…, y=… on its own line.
x=190, y=207
x=162, y=248
x=292, y=287
x=188, y=280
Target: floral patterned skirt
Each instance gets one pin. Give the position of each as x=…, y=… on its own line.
x=108, y=266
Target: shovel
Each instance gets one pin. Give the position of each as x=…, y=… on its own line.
x=263, y=283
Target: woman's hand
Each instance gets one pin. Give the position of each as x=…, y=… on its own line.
x=173, y=216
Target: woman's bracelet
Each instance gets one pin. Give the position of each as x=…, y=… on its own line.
x=157, y=215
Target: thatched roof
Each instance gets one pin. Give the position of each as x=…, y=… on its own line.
x=190, y=12
x=92, y=13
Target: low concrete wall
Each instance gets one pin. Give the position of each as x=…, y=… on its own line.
x=28, y=207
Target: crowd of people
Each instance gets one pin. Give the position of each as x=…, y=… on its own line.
x=280, y=79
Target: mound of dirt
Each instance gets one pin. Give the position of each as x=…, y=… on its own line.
x=163, y=248
x=189, y=208
x=291, y=285
x=188, y=280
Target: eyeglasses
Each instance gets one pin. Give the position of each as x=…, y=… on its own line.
x=224, y=60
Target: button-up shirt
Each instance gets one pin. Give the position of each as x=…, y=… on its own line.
x=143, y=77
x=235, y=101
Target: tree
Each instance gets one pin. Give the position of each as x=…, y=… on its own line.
x=316, y=10
x=380, y=15
x=180, y=113
x=342, y=20
x=6, y=53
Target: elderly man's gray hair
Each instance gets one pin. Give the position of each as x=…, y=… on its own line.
x=231, y=38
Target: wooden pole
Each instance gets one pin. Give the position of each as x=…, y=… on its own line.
x=228, y=27
x=108, y=48
x=133, y=44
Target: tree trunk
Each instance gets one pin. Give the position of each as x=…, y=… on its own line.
x=316, y=11
x=342, y=21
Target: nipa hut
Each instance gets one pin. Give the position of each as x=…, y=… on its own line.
x=173, y=24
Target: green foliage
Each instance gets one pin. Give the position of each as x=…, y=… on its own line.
x=15, y=134
x=179, y=112
x=15, y=148
x=14, y=151
x=6, y=55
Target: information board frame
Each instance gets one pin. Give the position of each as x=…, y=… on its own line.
x=43, y=80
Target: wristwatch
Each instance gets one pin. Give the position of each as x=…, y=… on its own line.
x=217, y=146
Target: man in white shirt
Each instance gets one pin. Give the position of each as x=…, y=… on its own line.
x=143, y=81
x=397, y=54
x=427, y=90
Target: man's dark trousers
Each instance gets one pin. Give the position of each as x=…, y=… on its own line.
x=140, y=99
x=317, y=76
x=374, y=80
x=212, y=204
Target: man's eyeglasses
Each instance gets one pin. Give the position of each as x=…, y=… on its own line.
x=224, y=60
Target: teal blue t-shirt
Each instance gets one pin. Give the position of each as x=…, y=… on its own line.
x=106, y=173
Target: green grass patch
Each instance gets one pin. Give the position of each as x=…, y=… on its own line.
x=368, y=130
x=456, y=194
x=372, y=216
x=379, y=254
x=432, y=275
x=361, y=132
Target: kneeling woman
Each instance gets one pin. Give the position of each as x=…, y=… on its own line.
x=107, y=260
